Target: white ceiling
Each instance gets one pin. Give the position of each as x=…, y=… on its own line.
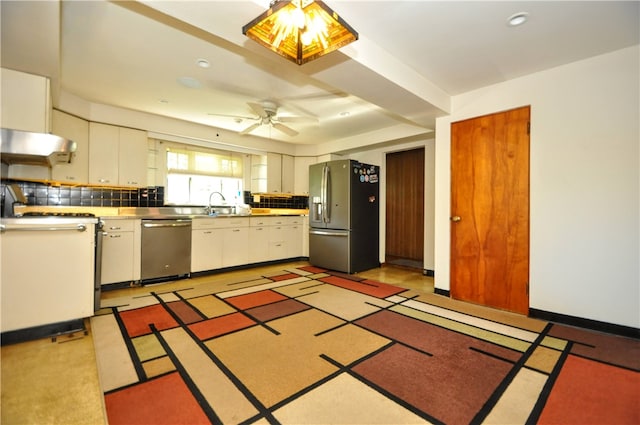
x=393, y=82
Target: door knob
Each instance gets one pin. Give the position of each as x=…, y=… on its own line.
x=455, y=218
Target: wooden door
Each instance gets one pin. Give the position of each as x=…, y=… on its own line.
x=405, y=205
x=490, y=210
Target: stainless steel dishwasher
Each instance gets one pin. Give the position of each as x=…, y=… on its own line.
x=166, y=249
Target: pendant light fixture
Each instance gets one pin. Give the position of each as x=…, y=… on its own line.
x=300, y=30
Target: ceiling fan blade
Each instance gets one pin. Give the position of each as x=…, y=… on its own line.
x=258, y=109
x=231, y=116
x=297, y=119
x=287, y=130
x=250, y=128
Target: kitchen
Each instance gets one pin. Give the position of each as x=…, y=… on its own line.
x=141, y=238
x=568, y=270
x=592, y=178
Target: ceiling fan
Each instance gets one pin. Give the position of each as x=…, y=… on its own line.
x=267, y=114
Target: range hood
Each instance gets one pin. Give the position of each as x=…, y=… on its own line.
x=23, y=147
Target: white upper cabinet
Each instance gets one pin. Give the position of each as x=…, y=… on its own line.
x=301, y=168
x=132, y=158
x=287, y=174
x=26, y=101
x=117, y=156
x=274, y=173
x=77, y=130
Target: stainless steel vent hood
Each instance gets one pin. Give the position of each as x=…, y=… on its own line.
x=23, y=147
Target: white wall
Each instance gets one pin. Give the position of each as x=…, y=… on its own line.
x=585, y=191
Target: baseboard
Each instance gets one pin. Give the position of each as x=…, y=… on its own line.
x=443, y=292
x=428, y=272
x=595, y=325
x=53, y=331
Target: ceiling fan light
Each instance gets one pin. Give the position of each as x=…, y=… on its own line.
x=278, y=29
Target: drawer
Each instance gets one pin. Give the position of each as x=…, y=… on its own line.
x=226, y=222
x=204, y=223
x=111, y=225
x=275, y=220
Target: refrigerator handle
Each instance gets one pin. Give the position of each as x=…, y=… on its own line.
x=325, y=193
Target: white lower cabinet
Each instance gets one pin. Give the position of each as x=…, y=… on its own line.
x=219, y=242
x=235, y=251
x=120, y=251
x=277, y=242
x=259, y=244
x=283, y=240
x=206, y=245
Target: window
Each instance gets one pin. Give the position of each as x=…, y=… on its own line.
x=194, y=173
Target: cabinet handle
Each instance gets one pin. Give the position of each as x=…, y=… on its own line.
x=115, y=236
x=208, y=233
x=236, y=230
x=104, y=180
x=115, y=228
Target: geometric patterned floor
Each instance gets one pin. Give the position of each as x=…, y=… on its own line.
x=309, y=346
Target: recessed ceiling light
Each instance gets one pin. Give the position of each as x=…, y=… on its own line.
x=203, y=63
x=517, y=19
x=345, y=114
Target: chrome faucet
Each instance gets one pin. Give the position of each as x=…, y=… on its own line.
x=209, y=208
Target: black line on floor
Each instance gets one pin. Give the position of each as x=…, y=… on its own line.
x=348, y=369
x=492, y=355
x=546, y=390
x=193, y=388
x=504, y=384
x=224, y=369
x=128, y=341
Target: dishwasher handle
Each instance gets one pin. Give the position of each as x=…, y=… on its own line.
x=171, y=224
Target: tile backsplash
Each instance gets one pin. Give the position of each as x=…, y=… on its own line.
x=60, y=195
x=43, y=194
x=277, y=201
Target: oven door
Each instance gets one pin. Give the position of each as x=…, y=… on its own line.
x=47, y=271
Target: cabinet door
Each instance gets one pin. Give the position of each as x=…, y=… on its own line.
x=293, y=240
x=132, y=157
x=235, y=250
x=26, y=101
x=206, y=249
x=277, y=243
x=287, y=175
x=258, y=173
x=75, y=129
x=274, y=173
x=117, y=257
x=104, y=143
x=259, y=244
x=301, y=170
x=305, y=236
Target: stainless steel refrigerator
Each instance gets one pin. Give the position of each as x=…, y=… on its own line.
x=344, y=215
